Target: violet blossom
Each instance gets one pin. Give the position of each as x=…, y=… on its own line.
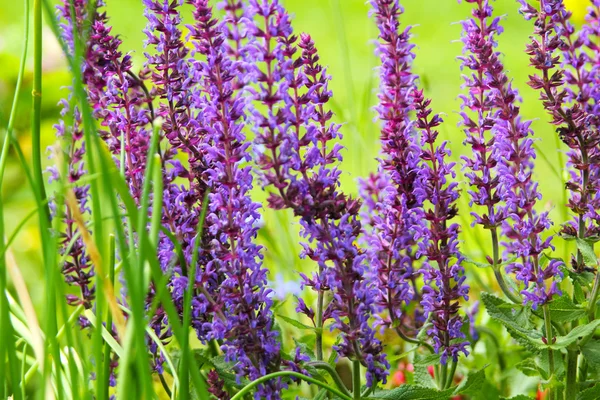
x=392, y=210
x=575, y=126
x=249, y=338
x=442, y=270
x=295, y=151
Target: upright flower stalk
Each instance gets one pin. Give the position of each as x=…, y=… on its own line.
x=442, y=270
x=295, y=151
x=574, y=125
x=249, y=338
x=393, y=210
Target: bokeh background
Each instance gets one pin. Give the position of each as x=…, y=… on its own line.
x=344, y=34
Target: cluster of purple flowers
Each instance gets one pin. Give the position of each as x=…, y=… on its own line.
x=293, y=142
x=504, y=159
x=395, y=265
x=577, y=127
x=392, y=209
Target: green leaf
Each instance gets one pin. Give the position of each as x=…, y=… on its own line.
x=562, y=309
x=476, y=263
x=587, y=251
x=472, y=385
x=592, y=393
x=580, y=332
x=529, y=367
x=295, y=323
x=304, y=349
x=421, y=374
x=516, y=320
x=591, y=352
x=518, y=397
x=413, y=392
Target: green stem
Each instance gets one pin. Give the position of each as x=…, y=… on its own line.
x=333, y=373
x=548, y=326
x=498, y=273
x=319, y=331
x=571, y=389
x=414, y=341
x=356, y=379
x=594, y=298
x=248, y=388
x=450, y=378
x=443, y=376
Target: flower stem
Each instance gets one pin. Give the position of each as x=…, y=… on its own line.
x=450, y=377
x=571, y=389
x=333, y=373
x=548, y=326
x=248, y=388
x=356, y=379
x=319, y=331
x=497, y=272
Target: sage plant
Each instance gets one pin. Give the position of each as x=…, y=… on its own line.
x=233, y=97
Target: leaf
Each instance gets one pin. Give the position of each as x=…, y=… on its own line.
x=518, y=397
x=592, y=393
x=529, y=367
x=562, y=309
x=472, y=385
x=295, y=323
x=421, y=374
x=304, y=349
x=591, y=352
x=587, y=251
x=413, y=392
x=580, y=332
x=516, y=320
x=476, y=263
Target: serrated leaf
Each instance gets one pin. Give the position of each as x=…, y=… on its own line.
x=587, y=251
x=472, y=385
x=592, y=393
x=591, y=352
x=514, y=318
x=529, y=367
x=413, y=392
x=295, y=323
x=562, y=309
x=304, y=349
x=580, y=332
x=421, y=375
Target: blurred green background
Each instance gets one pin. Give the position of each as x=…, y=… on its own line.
x=344, y=35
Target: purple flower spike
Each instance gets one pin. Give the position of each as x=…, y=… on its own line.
x=477, y=115
x=295, y=149
x=249, y=338
x=443, y=272
x=393, y=211
x=576, y=127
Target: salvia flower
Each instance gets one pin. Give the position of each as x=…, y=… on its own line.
x=477, y=115
x=512, y=166
x=295, y=151
x=249, y=338
x=575, y=125
x=390, y=195
x=77, y=268
x=442, y=270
